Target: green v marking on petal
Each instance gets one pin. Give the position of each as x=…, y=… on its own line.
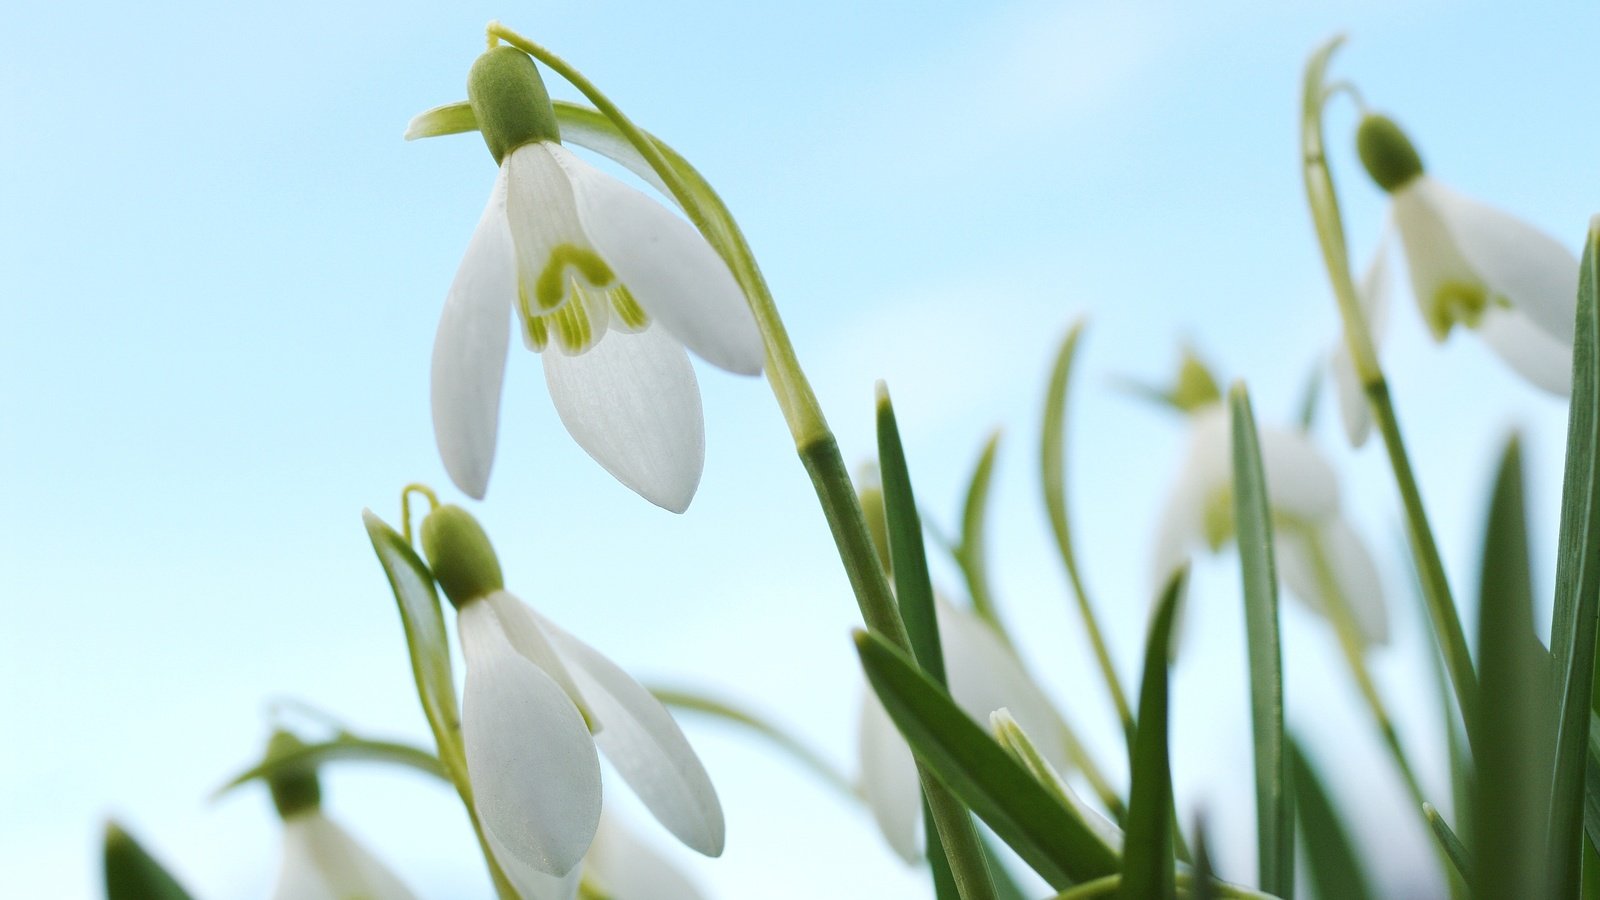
x=550, y=288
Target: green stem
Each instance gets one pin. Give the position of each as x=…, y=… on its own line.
x=815, y=442
x=1325, y=215
x=1108, y=885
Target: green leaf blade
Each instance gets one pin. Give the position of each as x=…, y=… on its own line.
x=131, y=873
x=423, y=620
x=972, y=553
x=1335, y=866
x=1148, y=864
x=1572, y=637
x=1047, y=836
x=1253, y=513
x=907, y=553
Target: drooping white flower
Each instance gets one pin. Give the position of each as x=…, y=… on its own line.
x=1320, y=558
x=537, y=708
x=607, y=285
x=984, y=675
x=623, y=866
x=321, y=861
x=1474, y=265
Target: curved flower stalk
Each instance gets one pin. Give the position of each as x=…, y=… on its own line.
x=984, y=676
x=537, y=708
x=321, y=861
x=1320, y=557
x=608, y=286
x=1474, y=265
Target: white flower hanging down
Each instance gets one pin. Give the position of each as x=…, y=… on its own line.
x=1473, y=265
x=537, y=705
x=321, y=861
x=608, y=286
x=984, y=675
x=1320, y=558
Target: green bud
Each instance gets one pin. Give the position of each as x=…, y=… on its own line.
x=133, y=874
x=509, y=101
x=1195, y=386
x=460, y=554
x=294, y=787
x=1387, y=153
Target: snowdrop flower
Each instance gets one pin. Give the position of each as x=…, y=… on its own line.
x=1474, y=265
x=1319, y=556
x=537, y=704
x=608, y=286
x=984, y=675
x=321, y=861
x=622, y=866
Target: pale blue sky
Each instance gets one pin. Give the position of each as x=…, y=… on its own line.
x=221, y=268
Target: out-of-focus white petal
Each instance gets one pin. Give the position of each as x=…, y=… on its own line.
x=985, y=675
x=1204, y=472
x=1374, y=288
x=888, y=779
x=578, y=130
x=633, y=403
x=1330, y=557
x=532, y=884
x=645, y=744
x=1300, y=480
x=1528, y=349
x=469, y=350
x=1532, y=270
x=668, y=266
x=624, y=867
x=535, y=772
x=321, y=861
x=1433, y=259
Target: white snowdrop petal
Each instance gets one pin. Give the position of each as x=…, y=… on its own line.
x=1374, y=296
x=1433, y=259
x=469, y=350
x=645, y=744
x=668, y=266
x=985, y=675
x=535, y=772
x=522, y=629
x=542, y=215
x=612, y=146
x=888, y=779
x=321, y=861
x=1353, y=411
x=1300, y=480
x=1528, y=349
x=1204, y=472
x=530, y=883
x=633, y=404
x=1332, y=557
x=1517, y=261
x=626, y=867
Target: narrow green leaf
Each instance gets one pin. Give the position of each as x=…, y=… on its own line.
x=1053, y=478
x=423, y=620
x=133, y=874
x=1252, y=511
x=907, y=552
x=1005, y=884
x=1148, y=865
x=451, y=118
x=1454, y=850
x=1336, y=871
x=1591, y=784
x=1509, y=791
x=1047, y=836
x=342, y=747
x=944, y=880
x=690, y=701
x=971, y=553
x=1572, y=637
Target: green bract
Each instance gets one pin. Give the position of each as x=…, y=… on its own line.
x=462, y=558
x=509, y=101
x=1387, y=153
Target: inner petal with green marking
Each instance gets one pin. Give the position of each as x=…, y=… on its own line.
x=1456, y=302
x=578, y=325
x=550, y=290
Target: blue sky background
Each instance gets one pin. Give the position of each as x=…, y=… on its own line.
x=221, y=269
